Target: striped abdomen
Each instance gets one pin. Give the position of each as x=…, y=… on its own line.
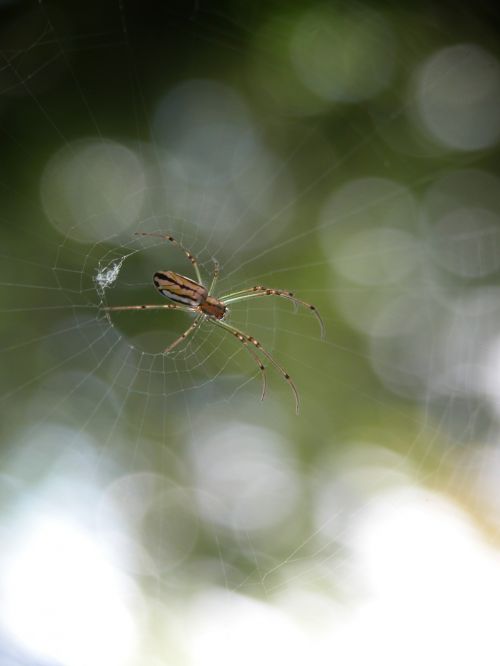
x=180, y=289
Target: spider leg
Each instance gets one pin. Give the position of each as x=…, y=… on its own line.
x=170, y=306
x=184, y=335
x=245, y=342
x=242, y=337
x=245, y=294
x=215, y=276
x=171, y=239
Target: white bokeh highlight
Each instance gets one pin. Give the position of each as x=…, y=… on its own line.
x=343, y=56
x=207, y=126
x=461, y=210
x=378, y=256
x=457, y=95
x=467, y=242
x=215, y=168
x=242, y=478
x=93, y=188
x=367, y=228
x=62, y=596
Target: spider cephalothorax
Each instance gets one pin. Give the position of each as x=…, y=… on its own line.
x=192, y=296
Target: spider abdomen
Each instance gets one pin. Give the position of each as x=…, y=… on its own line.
x=179, y=288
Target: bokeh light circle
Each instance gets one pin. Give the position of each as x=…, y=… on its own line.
x=343, y=56
x=458, y=97
x=207, y=126
x=93, y=188
x=242, y=479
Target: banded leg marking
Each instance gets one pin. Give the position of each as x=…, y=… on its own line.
x=172, y=240
x=249, y=338
x=258, y=290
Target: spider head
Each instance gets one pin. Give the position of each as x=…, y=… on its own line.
x=213, y=307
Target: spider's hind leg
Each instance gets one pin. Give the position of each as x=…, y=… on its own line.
x=244, y=338
x=184, y=335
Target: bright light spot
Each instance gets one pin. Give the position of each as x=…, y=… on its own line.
x=56, y=447
x=243, y=480
x=483, y=465
x=464, y=328
x=365, y=203
x=196, y=197
x=490, y=374
x=346, y=482
x=408, y=359
x=62, y=597
x=361, y=306
x=390, y=318
x=93, y=188
x=207, y=127
x=422, y=587
x=227, y=629
x=260, y=186
x=466, y=241
x=363, y=225
x=424, y=340
x=376, y=256
x=265, y=186
x=343, y=56
x=432, y=585
x=458, y=97
x=274, y=76
x=462, y=210
x=161, y=515
x=464, y=188
x=218, y=172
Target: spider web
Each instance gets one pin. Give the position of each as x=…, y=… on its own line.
x=170, y=486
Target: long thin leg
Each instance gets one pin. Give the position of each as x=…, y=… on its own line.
x=242, y=337
x=246, y=342
x=245, y=294
x=170, y=306
x=182, y=337
x=188, y=254
x=215, y=276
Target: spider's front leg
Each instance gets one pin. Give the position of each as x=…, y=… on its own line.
x=259, y=290
x=171, y=239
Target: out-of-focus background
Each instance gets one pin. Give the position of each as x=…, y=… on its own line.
x=153, y=510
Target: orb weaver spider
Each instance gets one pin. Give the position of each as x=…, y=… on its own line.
x=192, y=296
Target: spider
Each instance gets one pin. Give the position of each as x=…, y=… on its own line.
x=191, y=296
